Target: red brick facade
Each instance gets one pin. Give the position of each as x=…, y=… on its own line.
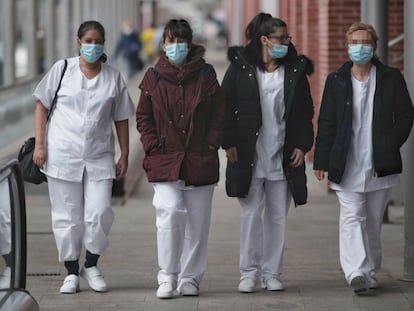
x=318, y=29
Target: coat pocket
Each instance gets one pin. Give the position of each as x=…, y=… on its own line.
x=201, y=168
x=162, y=167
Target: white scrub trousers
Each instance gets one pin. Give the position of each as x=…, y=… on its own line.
x=81, y=214
x=183, y=222
x=262, y=240
x=360, y=221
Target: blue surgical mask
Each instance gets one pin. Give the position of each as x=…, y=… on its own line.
x=278, y=50
x=91, y=52
x=360, y=54
x=177, y=52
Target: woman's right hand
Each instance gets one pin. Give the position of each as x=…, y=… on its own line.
x=231, y=154
x=320, y=174
x=39, y=156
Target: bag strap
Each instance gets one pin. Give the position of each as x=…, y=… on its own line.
x=57, y=90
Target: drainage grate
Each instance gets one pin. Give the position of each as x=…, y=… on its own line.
x=44, y=274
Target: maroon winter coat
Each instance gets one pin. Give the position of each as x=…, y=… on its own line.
x=180, y=116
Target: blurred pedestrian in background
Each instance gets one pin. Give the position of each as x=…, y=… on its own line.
x=147, y=39
x=365, y=117
x=268, y=130
x=76, y=152
x=180, y=117
x=129, y=45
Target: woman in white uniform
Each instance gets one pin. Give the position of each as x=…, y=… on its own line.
x=76, y=152
x=365, y=117
x=267, y=132
x=180, y=115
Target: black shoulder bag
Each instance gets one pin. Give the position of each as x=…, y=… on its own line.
x=30, y=171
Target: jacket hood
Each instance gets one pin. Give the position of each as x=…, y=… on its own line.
x=180, y=74
x=237, y=55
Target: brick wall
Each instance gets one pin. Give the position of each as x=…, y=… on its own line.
x=318, y=29
x=396, y=28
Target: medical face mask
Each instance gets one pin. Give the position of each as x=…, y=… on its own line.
x=360, y=54
x=177, y=52
x=278, y=50
x=91, y=52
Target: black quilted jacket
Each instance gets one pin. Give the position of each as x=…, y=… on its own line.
x=244, y=119
x=391, y=125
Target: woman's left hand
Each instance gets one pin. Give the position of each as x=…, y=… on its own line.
x=121, y=167
x=297, y=158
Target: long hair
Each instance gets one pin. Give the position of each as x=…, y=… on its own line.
x=263, y=24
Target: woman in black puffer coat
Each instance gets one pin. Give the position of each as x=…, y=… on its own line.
x=267, y=132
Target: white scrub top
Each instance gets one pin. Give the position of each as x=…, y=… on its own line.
x=359, y=174
x=269, y=145
x=80, y=133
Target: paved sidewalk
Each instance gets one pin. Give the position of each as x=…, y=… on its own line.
x=312, y=274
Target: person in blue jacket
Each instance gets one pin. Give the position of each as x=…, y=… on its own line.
x=130, y=45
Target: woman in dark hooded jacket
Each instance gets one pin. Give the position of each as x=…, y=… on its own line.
x=268, y=130
x=180, y=117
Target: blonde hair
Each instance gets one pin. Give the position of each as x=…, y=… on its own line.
x=362, y=26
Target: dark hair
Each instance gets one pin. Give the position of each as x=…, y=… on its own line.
x=93, y=25
x=178, y=29
x=263, y=24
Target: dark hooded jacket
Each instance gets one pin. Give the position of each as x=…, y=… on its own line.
x=391, y=124
x=180, y=116
x=244, y=119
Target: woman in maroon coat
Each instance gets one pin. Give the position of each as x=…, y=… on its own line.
x=180, y=116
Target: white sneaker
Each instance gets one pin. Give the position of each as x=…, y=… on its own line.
x=188, y=289
x=94, y=278
x=358, y=284
x=272, y=284
x=5, y=278
x=247, y=285
x=165, y=290
x=372, y=282
x=70, y=284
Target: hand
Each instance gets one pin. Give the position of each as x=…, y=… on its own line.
x=39, y=156
x=297, y=158
x=121, y=167
x=231, y=154
x=320, y=174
